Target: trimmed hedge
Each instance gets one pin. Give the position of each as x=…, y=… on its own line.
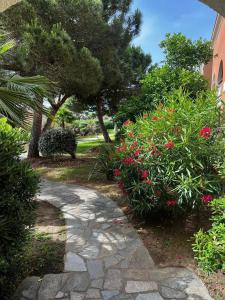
x=58, y=141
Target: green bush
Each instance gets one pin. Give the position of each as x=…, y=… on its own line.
x=209, y=247
x=155, y=87
x=58, y=141
x=86, y=127
x=170, y=159
x=18, y=185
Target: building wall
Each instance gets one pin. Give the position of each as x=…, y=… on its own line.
x=216, y=67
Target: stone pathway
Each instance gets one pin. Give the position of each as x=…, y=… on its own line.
x=105, y=258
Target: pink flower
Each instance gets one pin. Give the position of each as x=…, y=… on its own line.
x=135, y=143
x=205, y=132
x=144, y=174
x=117, y=172
x=145, y=116
x=127, y=123
x=137, y=153
x=207, y=198
x=121, y=185
x=148, y=182
x=169, y=145
x=171, y=202
x=158, y=193
x=127, y=161
x=121, y=149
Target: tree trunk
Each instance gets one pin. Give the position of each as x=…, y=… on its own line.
x=33, y=151
x=54, y=110
x=101, y=121
x=49, y=121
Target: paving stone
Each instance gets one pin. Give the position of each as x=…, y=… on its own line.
x=75, y=281
x=95, y=269
x=93, y=294
x=136, y=274
x=140, y=286
x=150, y=296
x=50, y=286
x=76, y=296
x=97, y=283
x=74, y=263
x=59, y=295
x=28, y=288
x=111, y=261
x=113, y=280
x=141, y=259
x=172, y=293
x=175, y=283
x=108, y=295
x=90, y=252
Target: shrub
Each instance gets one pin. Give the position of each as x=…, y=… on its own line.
x=209, y=247
x=86, y=127
x=58, y=141
x=105, y=163
x=18, y=185
x=170, y=158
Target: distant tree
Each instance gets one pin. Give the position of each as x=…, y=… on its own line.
x=181, y=52
x=183, y=57
x=155, y=88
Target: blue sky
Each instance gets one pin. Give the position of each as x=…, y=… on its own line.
x=190, y=17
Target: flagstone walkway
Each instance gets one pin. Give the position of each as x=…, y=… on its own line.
x=105, y=258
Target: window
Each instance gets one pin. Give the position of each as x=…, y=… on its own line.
x=220, y=75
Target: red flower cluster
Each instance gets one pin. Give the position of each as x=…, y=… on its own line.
x=148, y=181
x=155, y=151
x=205, y=132
x=137, y=153
x=117, y=172
x=131, y=134
x=155, y=118
x=145, y=116
x=127, y=123
x=121, y=185
x=121, y=149
x=127, y=161
x=144, y=174
x=169, y=145
x=171, y=202
x=207, y=198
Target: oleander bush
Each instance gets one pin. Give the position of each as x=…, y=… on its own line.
x=58, y=141
x=18, y=185
x=209, y=247
x=170, y=159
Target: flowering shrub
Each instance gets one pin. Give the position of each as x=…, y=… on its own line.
x=170, y=158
